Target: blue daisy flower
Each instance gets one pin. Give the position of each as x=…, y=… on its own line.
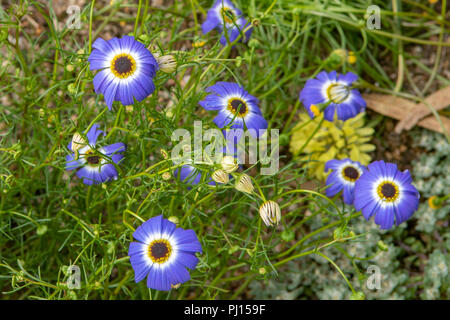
x=386, y=193
x=343, y=177
x=163, y=253
x=333, y=90
x=236, y=107
x=127, y=69
x=225, y=17
x=95, y=165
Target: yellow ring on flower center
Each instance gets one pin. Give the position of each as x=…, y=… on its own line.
x=226, y=12
x=238, y=107
x=338, y=92
x=159, y=251
x=388, y=191
x=123, y=65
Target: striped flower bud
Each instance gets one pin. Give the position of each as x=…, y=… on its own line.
x=220, y=176
x=244, y=184
x=78, y=142
x=229, y=164
x=270, y=213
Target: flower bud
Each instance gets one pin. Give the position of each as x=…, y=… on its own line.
x=164, y=153
x=167, y=63
x=434, y=202
x=229, y=164
x=244, y=184
x=166, y=175
x=270, y=213
x=174, y=219
x=220, y=176
x=175, y=286
x=78, y=142
x=71, y=88
x=70, y=67
x=382, y=246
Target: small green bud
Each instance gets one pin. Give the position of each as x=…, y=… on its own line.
x=238, y=61
x=382, y=246
x=253, y=43
x=72, y=295
x=358, y=296
x=41, y=230
x=71, y=88
x=287, y=235
x=233, y=249
x=340, y=232
x=174, y=219
x=284, y=139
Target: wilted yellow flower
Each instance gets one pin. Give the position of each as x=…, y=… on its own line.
x=198, y=44
x=244, y=184
x=270, y=213
x=351, y=57
x=435, y=203
x=314, y=109
x=334, y=140
x=220, y=176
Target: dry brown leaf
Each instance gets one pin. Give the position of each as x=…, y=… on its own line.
x=438, y=100
x=399, y=108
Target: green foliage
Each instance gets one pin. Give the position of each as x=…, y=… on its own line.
x=49, y=220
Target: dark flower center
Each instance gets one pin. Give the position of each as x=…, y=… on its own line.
x=93, y=159
x=388, y=190
x=351, y=173
x=123, y=65
x=238, y=105
x=159, y=251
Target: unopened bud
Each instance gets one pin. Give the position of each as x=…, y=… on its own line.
x=229, y=164
x=220, y=176
x=244, y=184
x=270, y=213
x=166, y=175
x=78, y=142
x=174, y=219
x=167, y=63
